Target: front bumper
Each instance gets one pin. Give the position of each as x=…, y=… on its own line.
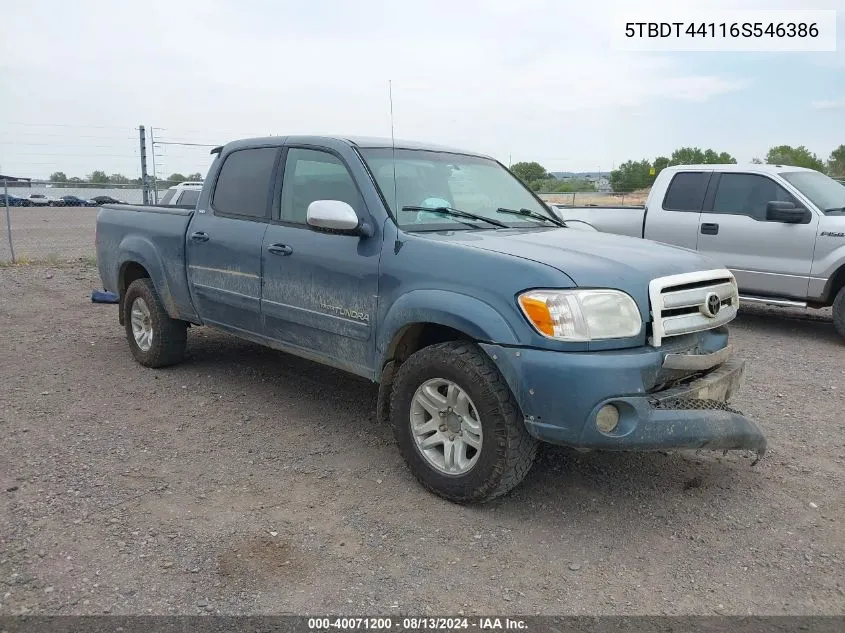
x=560, y=395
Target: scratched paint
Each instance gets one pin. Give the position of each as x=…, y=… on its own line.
x=222, y=271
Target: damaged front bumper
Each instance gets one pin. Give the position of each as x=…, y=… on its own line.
x=561, y=395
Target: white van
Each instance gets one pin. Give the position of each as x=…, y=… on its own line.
x=185, y=194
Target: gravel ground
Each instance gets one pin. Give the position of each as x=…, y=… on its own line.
x=249, y=481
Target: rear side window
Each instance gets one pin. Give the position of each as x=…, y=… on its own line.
x=189, y=198
x=168, y=196
x=686, y=191
x=243, y=186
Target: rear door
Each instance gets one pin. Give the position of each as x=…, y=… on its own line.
x=674, y=219
x=224, y=241
x=768, y=258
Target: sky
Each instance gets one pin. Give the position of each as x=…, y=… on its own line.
x=529, y=80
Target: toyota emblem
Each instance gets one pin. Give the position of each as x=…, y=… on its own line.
x=712, y=305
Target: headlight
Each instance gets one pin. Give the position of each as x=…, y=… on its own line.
x=581, y=315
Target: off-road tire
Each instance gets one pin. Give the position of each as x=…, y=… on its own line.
x=839, y=312
x=169, y=337
x=507, y=450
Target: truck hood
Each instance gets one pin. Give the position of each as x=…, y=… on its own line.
x=589, y=259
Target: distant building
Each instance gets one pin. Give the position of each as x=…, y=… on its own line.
x=12, y=181
x=601, y=180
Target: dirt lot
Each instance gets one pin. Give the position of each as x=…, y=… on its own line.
x=249, y=481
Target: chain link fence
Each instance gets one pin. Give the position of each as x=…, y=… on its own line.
x=48, y=234
x=634, y=198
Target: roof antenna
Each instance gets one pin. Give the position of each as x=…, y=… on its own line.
x=393, y=146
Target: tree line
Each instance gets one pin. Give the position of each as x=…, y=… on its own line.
x=102, y=179
x=537, y=178
x=640, y=174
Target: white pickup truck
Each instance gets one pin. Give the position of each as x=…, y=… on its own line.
x=779, y=229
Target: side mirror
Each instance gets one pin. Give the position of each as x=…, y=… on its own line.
x=787, y=213
x=332, y=215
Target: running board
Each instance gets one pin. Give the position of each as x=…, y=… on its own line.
x=773, y=302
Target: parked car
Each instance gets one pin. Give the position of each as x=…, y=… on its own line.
x=185, y=194
x=779, y=229
x=14, y=201
x=40, y=200
x=437, y=274
x=101, y=200
x=76, y=201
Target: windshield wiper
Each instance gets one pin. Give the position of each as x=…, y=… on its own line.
x=835, y=210
x=457, y=213
x=528, y=213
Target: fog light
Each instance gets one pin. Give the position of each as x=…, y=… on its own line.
x=607, y=418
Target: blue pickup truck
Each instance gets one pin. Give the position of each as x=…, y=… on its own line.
x=488, y=323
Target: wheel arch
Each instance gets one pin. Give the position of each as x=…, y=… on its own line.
x=834, y=284
x=130, y=270
x=413, y=322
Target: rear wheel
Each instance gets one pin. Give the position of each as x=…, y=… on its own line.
x=155, y=339
x=839, y=312
x=458, y=425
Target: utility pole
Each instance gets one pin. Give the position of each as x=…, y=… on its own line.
x=145, y=183
x=153, y=153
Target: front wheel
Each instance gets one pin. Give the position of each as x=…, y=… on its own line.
x=155, y=339
x=458, y=425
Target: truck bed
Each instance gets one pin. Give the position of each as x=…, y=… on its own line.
x=618, y=220
x=153, y=236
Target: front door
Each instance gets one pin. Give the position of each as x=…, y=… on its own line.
x=224, y=242
x=768, y=258
x=320, y=289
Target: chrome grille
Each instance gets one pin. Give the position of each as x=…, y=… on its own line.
x=679, y=303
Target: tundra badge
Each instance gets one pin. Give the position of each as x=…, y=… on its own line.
x=346, y=312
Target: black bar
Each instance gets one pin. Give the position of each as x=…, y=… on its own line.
x=396, y=622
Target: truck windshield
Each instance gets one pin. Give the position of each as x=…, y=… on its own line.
x=824, y=192
x=431, y=179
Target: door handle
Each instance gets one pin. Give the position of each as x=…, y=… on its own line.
x=708, y=228
x=280, y=249
x=199, y=236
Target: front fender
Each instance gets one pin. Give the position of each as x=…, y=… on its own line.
x=466, y=314
x=827, y=264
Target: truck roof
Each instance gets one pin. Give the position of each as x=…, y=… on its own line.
x=744, y=167
x=187, y=185
x=357, y=141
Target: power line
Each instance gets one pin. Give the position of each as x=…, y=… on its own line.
x=95, y=136
x=42, y=155
x=185, y=144
x=71, y=125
